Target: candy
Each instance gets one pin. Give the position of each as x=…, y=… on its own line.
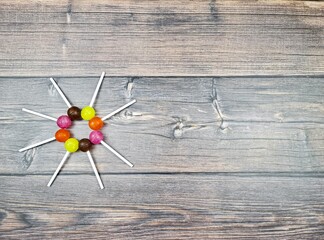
x=62, y=135
x=96, y=123
x=64, y=121
x=71, y=145
x=88, y=112
x=85, y=144
x=74, y=113
x=96, y=137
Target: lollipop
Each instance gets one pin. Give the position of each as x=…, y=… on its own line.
x=74, y=113
x=95, y=123
x=71, y=144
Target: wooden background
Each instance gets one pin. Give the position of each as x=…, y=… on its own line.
x=226, y=137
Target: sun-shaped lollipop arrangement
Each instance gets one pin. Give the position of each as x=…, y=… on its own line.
x=71, y=144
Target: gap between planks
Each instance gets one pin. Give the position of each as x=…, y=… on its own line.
x=284, y=174
x=208, y=77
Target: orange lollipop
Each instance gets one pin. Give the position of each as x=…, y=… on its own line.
x=62, y=135
x=96, y=123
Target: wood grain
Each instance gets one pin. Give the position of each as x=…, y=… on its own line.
x=275, y=124
x=162, y=207
x=226, y=135
x=171, y=38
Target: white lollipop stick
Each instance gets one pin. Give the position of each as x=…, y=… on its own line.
x=67, y=154
x=95, y=170
x=118, y=110
x=61, y=93
x=39, y=114
x=97, y=89
x=117, y=154
x=37, y=144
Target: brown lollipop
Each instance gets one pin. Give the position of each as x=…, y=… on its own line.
x=85, y=145
x=74, y=113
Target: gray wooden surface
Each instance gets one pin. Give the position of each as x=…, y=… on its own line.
x=227, y=136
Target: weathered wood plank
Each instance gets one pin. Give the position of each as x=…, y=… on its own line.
x=162, y=207
x=271, y=7
x=245, y=147
x=256, y=172
x=173, y=38
x=248, y=99
x=270, y=124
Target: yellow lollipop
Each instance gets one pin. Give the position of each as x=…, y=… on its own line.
x=71, y=145
x=88, y=112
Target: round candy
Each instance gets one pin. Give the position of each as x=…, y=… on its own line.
x=85, y=144
x=88, y=112
x=71, y=145
x=64, y=122
x=96, y=123
x=96, y=137
x=62, y=135
x=74, y=113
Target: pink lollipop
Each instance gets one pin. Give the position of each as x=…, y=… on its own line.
x=96, y=137
x=64, y=121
